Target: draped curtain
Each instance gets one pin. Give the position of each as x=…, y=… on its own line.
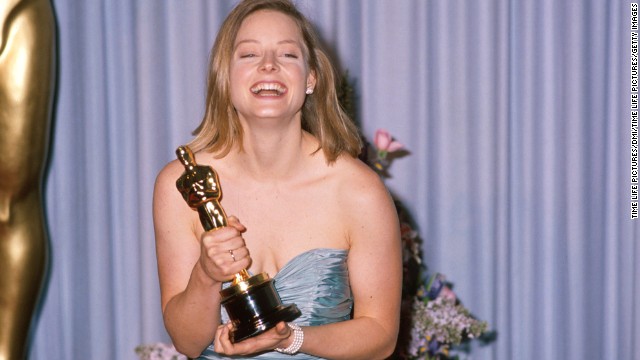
x=515, y=113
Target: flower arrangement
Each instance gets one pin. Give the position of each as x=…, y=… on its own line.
x=158, y=351
x=434, y=323
x=439, y=321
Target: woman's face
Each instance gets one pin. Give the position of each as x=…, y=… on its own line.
x=269, y=74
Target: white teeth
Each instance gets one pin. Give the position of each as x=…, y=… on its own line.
x=268, y=86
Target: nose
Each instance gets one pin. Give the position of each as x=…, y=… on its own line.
x=269, y=62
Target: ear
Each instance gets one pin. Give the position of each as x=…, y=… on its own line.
x=311, y=80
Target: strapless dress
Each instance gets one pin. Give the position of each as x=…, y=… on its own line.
x=317, y=281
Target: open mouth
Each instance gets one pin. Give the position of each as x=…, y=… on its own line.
x=269, y=89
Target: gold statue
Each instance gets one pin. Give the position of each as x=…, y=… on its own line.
x=199, y=185
x=27, y=78
x=200, y=188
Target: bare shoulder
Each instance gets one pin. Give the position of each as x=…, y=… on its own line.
x=168, y=175
x=365, y=204
x=359, y=184
x=168, y=206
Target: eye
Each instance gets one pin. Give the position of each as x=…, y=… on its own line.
x=248, y=55
x=290, y=55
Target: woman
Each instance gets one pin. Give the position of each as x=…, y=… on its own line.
x=311, y=213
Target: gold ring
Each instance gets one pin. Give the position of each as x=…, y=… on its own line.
x=232, y=256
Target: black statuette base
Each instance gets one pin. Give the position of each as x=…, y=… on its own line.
x=256, y=310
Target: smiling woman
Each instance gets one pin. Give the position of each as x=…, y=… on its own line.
x=302, y=207
x=321, y=114
x=268, y=68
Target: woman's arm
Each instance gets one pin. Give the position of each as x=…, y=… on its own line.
x=191, y=271
x=375, y=274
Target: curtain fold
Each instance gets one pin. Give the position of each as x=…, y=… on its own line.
x=515, y=113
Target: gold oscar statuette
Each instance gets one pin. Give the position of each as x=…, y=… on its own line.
x=252, y=302
x=27, y=84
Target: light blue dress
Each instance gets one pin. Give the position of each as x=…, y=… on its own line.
x=317, y=281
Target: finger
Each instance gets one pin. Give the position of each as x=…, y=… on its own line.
x=235, y=223
x=244, y=263
x=217, y=343
x=230, y=347
x=219, y=235
x=225, y=345
x=221, y=267
x=230, y=253
x=282, y=328
x=226, y=268
x=214, y=245
x=238, y=254
x=230, y=259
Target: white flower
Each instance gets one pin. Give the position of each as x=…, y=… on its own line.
x=159, y=351
x=442, y=320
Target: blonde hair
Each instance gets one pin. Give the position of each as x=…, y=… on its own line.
x=322, y=115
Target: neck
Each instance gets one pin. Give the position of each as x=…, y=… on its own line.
x=274, y=153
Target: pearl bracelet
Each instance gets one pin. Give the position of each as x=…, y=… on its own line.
x=298, y=338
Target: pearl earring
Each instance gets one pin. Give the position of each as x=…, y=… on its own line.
x=309, y=91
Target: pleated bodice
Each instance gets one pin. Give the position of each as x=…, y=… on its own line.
x=317, y=281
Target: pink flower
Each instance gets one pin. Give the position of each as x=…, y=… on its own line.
x=447, y=293
x=385, y=143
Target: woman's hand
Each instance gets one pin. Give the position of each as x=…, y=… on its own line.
x=276, y=337
x=223, y=252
